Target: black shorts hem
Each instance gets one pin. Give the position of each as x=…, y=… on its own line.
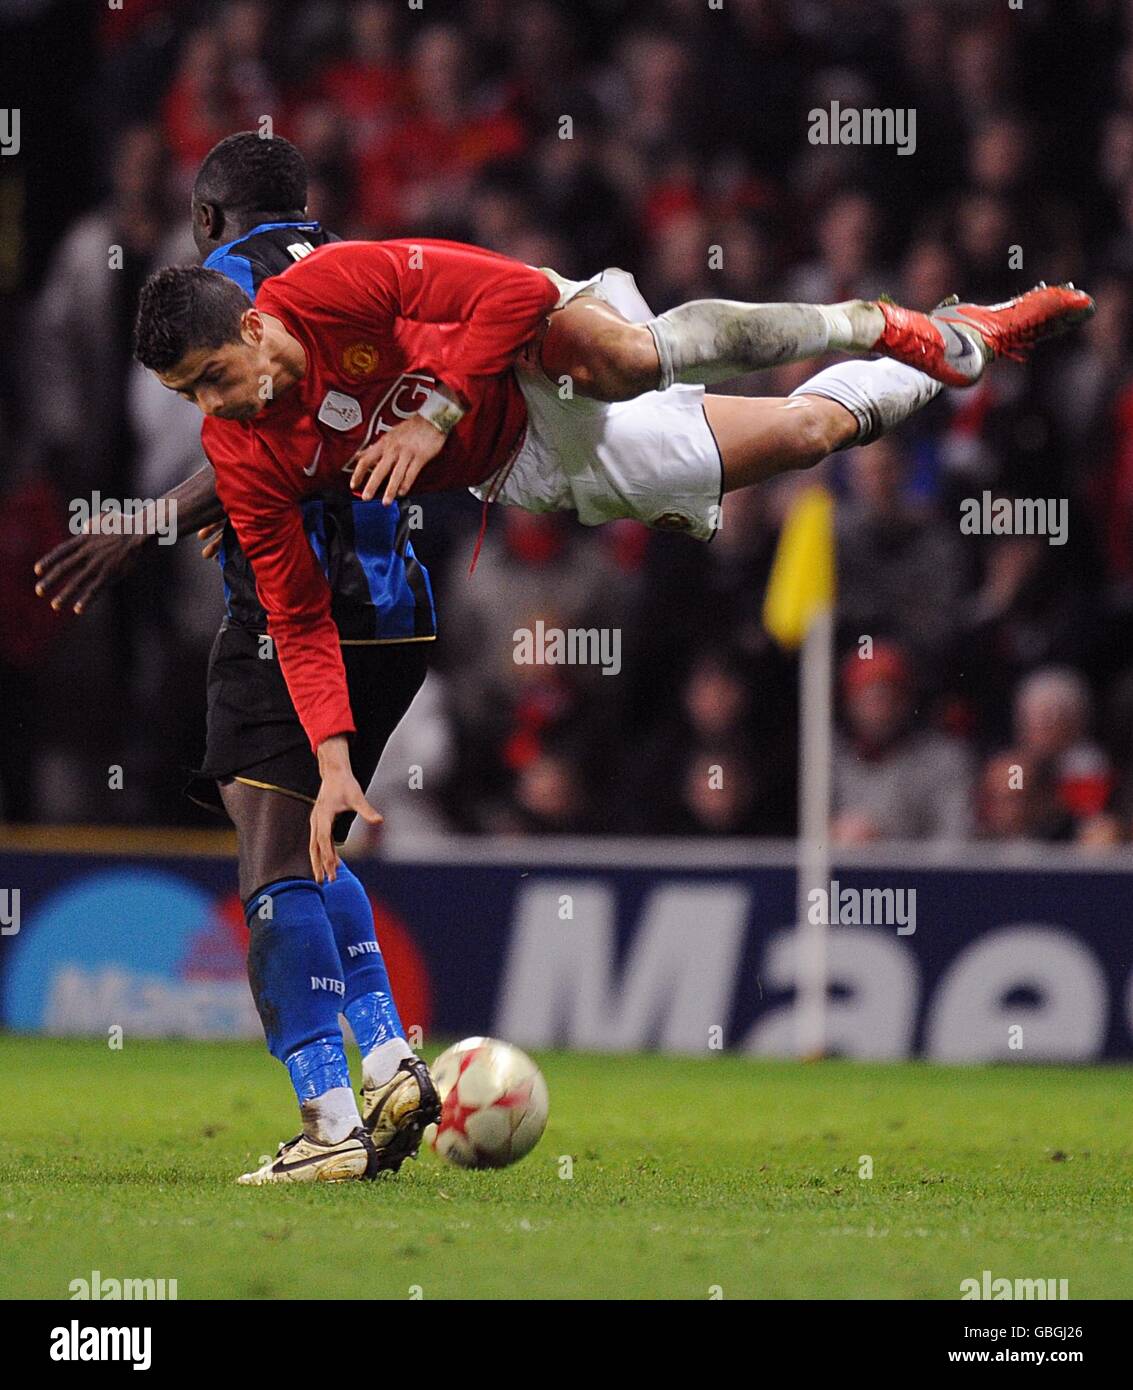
x=254, y=734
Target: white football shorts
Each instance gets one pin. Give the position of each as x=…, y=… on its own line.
x=653, y=458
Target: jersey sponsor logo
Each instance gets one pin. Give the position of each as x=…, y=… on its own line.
x=403, y=399
x=309, y=471
x=339, y=411
x=298, y=249
x=360, y=360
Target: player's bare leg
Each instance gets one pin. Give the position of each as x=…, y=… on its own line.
x=272, y=834
x=760, y=437
x=849, y=403
x=710, y=340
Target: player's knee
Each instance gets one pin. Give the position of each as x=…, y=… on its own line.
x=624, y=364
x=815, y=436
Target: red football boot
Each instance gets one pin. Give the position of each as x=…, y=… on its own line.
x=956, y=341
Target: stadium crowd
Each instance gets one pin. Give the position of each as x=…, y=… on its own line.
x=671, y=138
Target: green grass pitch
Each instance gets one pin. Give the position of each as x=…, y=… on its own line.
x=688, y=1175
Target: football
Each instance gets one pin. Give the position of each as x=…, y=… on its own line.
x=493, y=1104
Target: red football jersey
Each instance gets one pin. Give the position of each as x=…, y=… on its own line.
x=379, y=322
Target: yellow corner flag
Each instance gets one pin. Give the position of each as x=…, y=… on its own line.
x=802, y=574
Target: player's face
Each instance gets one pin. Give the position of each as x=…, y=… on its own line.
x=225, y=381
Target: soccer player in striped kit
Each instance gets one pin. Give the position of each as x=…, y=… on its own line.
x=313, y=951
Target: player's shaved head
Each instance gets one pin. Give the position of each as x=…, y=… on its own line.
x=245, y=173
x=184, y=309
x=243, y=181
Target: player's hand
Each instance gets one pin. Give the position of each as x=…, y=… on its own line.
x=75, y=571
x=211, y=535
x=396, y=458
x=339, y=792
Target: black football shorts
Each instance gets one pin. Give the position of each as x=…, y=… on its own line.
x=255, y=737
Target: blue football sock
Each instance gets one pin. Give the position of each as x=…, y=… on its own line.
x=369, y=1005
x=296, y=979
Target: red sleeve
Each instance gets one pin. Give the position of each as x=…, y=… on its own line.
x=497, y=302
x=292, y=589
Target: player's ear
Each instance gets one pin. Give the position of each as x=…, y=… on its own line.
x=208, y=222
x=252, y=327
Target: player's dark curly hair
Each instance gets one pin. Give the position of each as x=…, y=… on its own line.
x=182, y=308
x=248, y=173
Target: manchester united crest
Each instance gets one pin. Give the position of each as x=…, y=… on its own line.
x=671, y=521
x=360, y=360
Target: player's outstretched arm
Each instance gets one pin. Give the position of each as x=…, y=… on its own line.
x=198, y=506
x=82, y=566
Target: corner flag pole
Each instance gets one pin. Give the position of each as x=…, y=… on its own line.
x=815, y=719
x=798, y=611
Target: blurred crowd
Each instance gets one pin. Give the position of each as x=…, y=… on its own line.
x=985, y=683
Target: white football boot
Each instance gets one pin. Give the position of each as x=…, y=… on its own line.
x=396, y=1113
x=303, y=1159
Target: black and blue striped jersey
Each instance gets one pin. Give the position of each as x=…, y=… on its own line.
x=379, y=590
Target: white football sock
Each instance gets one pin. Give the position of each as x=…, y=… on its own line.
x=380, y=1064
x=855, y=325
x=879, y=394
x=331, y=1116
x=710, y=340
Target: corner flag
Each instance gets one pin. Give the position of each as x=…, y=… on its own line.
x=802, y=574
x=798, y=611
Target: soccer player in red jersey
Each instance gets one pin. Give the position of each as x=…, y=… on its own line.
x=315, y=953
x=404, y=365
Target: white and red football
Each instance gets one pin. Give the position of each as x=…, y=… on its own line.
x=493, y=1104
